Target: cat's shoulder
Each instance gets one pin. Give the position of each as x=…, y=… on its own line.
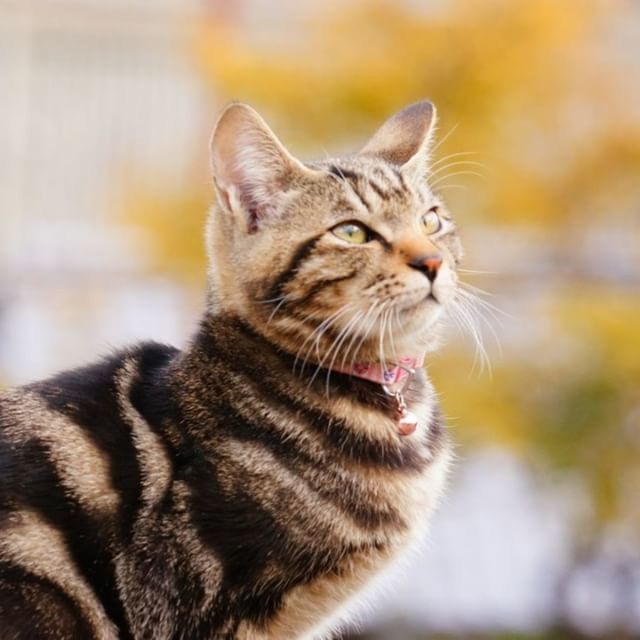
x=102, y=374
x=92, y=388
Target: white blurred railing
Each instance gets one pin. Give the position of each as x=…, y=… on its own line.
x=95, y=96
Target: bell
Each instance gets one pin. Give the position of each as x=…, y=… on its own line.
x=407, y=423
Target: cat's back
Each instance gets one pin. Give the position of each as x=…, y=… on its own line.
x=72, y=474
x=77, y=430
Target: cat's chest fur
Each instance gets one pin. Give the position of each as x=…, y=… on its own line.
x=313, y=609
x=332, y=492
x=338, y=536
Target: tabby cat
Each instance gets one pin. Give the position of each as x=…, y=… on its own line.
x=251, y=484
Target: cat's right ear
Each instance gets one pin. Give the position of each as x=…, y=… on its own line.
x=252, y=170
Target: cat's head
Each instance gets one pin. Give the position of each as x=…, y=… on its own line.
x=354, y=254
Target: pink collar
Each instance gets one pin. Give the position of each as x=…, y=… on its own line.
x=386, y=375
x=393, y=380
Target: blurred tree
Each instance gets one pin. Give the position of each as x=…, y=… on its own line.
x=520, y=82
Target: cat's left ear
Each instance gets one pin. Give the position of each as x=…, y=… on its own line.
x=252, y=170
x=405, y=138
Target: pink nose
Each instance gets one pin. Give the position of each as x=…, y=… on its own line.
x=429, y=265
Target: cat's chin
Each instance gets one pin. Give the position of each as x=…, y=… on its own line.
x=421, y=316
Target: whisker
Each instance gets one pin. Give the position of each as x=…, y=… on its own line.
x=453, y=186
x=475, y=271
x=395, y=317
x=452, y=155
x=455, y=173
x=371, y=323
x=478, y=300
x=322, y=359
x=381, y=336
x=316, y=343
x=474, y=306
x=473, y=163
x=354, y=337
x=318, y=332
x=348, y=329
x=444, y=138
x=285, y=299
x=272, y=300
x=475, y=289
x=468, y=322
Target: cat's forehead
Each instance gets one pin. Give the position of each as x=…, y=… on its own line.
x=377, y=188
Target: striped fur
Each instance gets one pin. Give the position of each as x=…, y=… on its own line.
x=238, y=488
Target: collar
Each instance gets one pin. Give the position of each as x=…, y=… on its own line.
x=384, y=373
x=393, y=379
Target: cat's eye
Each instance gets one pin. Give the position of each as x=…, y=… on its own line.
x=351, y=232
x=431, y=222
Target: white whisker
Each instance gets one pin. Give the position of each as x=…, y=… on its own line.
x=356, y=331
x=394, y=318
x=272, y=300
x=467, y=320
x=381, y=336
x=474, y=297
x=341, y=333
x=452, y=155
x=474, y=163
x=475, y=271
x=455, y=173
x=476, y=305
x=453, y=186
x=348, y=329
x=284, y=299
x=444, y=138
x=371, y=323
x=318, y=332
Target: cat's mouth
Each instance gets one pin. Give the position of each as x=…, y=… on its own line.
x=412, y=306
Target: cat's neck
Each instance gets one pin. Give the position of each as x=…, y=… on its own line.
x=227, y=347
x=229, y=367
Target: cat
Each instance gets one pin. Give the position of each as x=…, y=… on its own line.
x=250, y=485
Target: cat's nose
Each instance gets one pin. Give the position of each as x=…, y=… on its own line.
x=428, y=264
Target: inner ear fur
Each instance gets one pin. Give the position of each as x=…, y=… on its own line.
x=252, y=169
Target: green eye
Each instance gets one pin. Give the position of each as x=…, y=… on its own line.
x=430, y=221
x=351, y=232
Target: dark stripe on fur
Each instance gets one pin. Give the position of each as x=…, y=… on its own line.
x=344, y=205
x=86, y=538
x=150, y=395
x=293, y=456
x=34, y=608
x=352, y=179
x=89, y=397
x=320, y=285
x=250, y=541
x=382, y=194
x=302, y=253
x=400, y=176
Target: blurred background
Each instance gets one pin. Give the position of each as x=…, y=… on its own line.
x=105, y=115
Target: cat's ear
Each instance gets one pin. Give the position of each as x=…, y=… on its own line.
x=405, y=138
x=252, y=170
